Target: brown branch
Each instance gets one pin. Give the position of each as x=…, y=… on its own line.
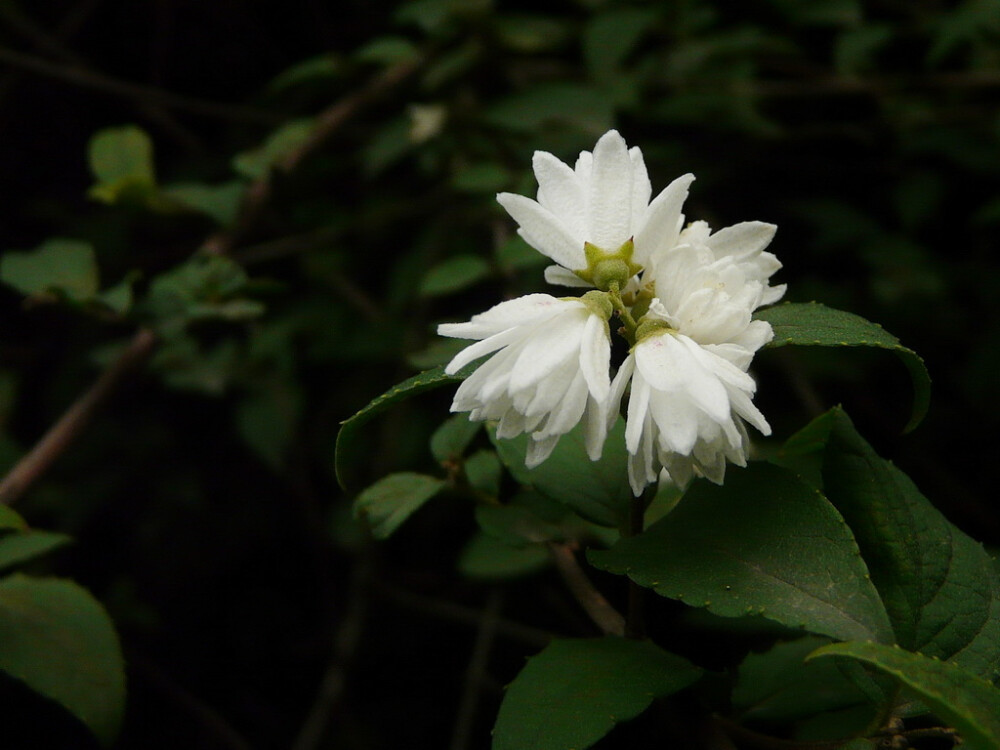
x=100, y=82
x=485, y=636
x=606, y=617
x=79, y=414
x=328, y=122
x=75, y=419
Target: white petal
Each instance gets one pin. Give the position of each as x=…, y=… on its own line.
x=560, y=191
x=638, y=405
x=595, y=358
x=481, y=348
x=595, y=428
x=741, y=240
x=544, y=231
x=508, y=314
x=546, y=349
x=641, y=187
x=659, y=224
x=756, y=335
x=668, y=364
x=564, y=277
x=539, y=450
x=772, y=294
x=618, y=386
x=583, y=167
x=610, y=193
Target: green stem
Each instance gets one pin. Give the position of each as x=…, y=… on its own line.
x=623, y=313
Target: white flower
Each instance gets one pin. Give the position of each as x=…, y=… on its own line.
x=603, y=202
x=548, y=370
x=690, y=392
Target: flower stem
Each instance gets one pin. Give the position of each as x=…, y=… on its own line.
x=623, y=313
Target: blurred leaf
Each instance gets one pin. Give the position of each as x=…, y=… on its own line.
x=531, y=33
x=779, y=685
x=321, y=66
x=812, y=324
x=387, y=146
x=968, y=703
x=281, y=143
x=387, y=50
x=451, y=65
x=450, y=440
x=57, y=265
x=575, y=691
x=526, y=519
x=571, y=104
x=19, y=548
x=419, y=383
x=971, y=21
x=267, y=420
x=11, y=520
x=122, y=161
x=516, y=254
x=821, y=12
x=481, y=178
x=393, y=499
x=434, y=15
x=762, y=543
x=597, y=490
x=58, y=640
x=184, y=365
x=453, y=275
x=855, y=49
x=219, y=202
x=488, y=559
x=483, y=469
x=119, y=298
x=609, y=37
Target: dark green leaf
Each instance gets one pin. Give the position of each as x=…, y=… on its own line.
x=419, y=383
x=387, y=50
x=575, y=691
x=778, y=685
x=57, y=265
x=763, y=543
x=483, y=470
x=516, y=254
x=219, y=202
x=450, y=440
x=11, y=520
x=527, y=519
x=17, y=549
x=486, y=558
x=812, y=324
x=597, y=490
x=609, y=37
x=393, y=499
x=581, y=107
x=258, y=161
x=453, y=275
x=121, y=159
x=58, y=640
x=322, y=66
x=968, y=703
x=939, y=586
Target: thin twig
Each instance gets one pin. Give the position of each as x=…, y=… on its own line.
x=328, y=122
x=75, y=419
x=474, y=673
x=100, y=82
x=455, y=612
x=79, y=414
x=635, y=624
x=345, y=645
x=205, y=715
x=606, y=617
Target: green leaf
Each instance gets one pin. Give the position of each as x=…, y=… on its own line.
x=387, y=50
x=483, y=471
x=528, y=33
x=528, y=518
x=609, y=37
x=120, y=298
x=778, y=685
x=968, y=703
x=221, y=202
x=516, y=254
x=58, y=640
x=812, y=324
x=453, y=275
x=58, y=265
x=17, y=549
x=597, y=490
x=10, y=519
x=419, y=383
x=578, y=106
x=939, y=587
x=257, y=162
x=267, y=421
x=575, y=691
x=121, y=159
x=764, y=543
x=321, y=66
x=450, y=440
x=393, y=499
x=486, y=558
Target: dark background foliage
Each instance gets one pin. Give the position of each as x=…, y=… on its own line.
x=203, y=502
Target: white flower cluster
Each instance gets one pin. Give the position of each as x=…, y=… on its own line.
x=684, y=297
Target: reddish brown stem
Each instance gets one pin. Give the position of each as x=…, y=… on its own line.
x=606, y=617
